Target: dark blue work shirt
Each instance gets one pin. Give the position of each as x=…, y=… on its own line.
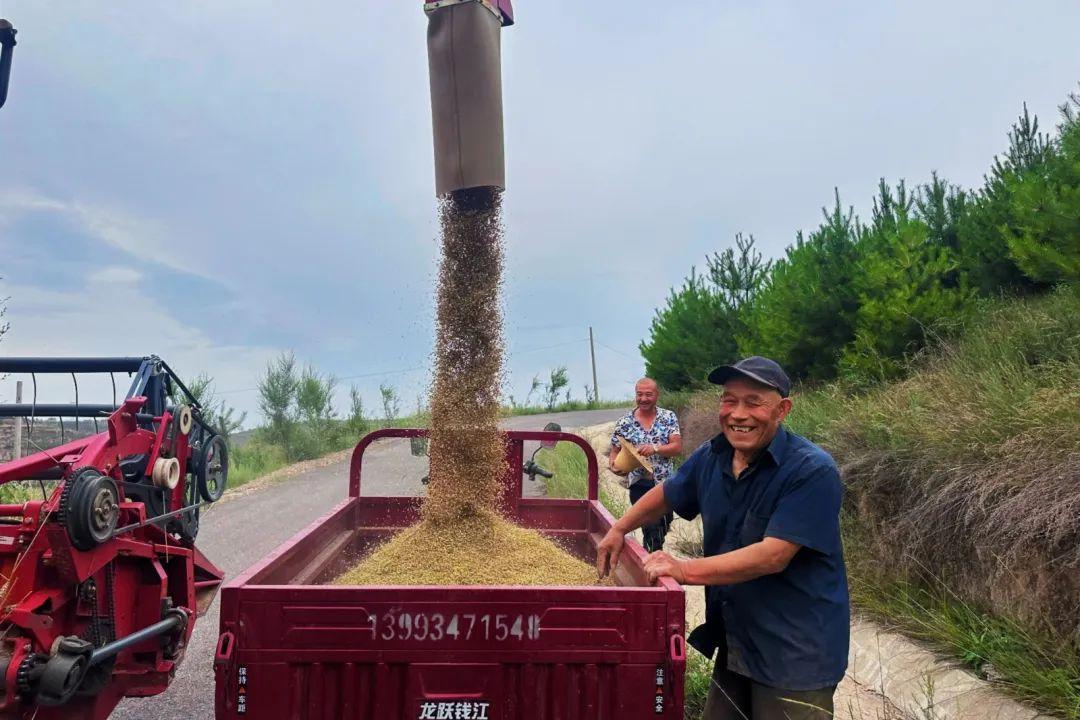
x=788, y=630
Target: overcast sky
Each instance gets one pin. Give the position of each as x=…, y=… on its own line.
x=216, y=182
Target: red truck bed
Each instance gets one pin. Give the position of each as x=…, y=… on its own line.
x=293, y=648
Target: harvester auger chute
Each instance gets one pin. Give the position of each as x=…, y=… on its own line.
x=101, y=579
x=465, y=72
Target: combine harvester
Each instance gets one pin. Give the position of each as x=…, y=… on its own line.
x=102, y=582
x=293, y=647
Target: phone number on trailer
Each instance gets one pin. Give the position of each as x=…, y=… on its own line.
x=435, y=627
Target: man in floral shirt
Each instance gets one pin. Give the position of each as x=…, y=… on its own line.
x=655, y=433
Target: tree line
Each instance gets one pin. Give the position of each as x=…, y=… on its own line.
x=856, y=299
x=297, y=404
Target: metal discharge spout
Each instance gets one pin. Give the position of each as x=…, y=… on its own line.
x=464, y=63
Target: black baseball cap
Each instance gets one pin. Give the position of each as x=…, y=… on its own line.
x=756, y=368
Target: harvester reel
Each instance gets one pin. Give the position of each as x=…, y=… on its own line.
x=212, y=470
x=89, y=508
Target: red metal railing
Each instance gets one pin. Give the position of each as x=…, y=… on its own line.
x=516, y=440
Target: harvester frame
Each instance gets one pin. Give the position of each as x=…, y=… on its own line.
x=102, y=582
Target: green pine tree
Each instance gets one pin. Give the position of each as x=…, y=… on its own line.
x=805, y=314
x=1044, y=240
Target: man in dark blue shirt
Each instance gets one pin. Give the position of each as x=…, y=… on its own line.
x=776, y=589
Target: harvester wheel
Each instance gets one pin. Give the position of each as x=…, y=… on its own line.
x=187, y=523
x=91, y=510
x=213, y=469
x=70, y=484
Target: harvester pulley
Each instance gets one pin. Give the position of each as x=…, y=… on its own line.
x=89, y=508
x=212, y=468
x=184, y=419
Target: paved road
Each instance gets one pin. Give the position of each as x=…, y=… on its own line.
x=238, y=532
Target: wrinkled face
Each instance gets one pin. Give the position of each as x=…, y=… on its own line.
x=646, y=394
x=750, y=414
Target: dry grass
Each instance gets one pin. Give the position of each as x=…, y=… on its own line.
x=963, y=495
x=970, y=468
x=699, y=418
x=687, y=538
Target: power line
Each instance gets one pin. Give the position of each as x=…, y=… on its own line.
x=547, y=347
x=546, y=327
x=617, y=352
x=385, y=373
x=344, y=377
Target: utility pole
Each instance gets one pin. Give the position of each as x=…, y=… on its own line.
x=592, y=353
x=16, y=452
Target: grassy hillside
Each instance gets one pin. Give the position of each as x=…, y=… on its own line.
x=962, y=509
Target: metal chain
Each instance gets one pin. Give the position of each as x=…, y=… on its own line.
x=110, y=602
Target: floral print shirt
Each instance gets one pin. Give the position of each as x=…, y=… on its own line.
x=665, y=424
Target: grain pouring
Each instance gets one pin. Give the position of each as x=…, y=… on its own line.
x=463, y=538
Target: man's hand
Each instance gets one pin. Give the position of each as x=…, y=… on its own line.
x=660, y=564
x=608, y=552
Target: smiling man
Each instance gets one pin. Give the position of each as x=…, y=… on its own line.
x=655, y=433
x=776, y=588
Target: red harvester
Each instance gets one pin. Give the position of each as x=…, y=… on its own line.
x=101, y=579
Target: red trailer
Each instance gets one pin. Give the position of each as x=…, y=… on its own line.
x=292, y=647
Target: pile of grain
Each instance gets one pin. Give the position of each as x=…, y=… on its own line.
x=461, y=539
x=486, y=550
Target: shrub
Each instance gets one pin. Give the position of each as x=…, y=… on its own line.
x=557, y=382
x=277, y=393
x=252, y=460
